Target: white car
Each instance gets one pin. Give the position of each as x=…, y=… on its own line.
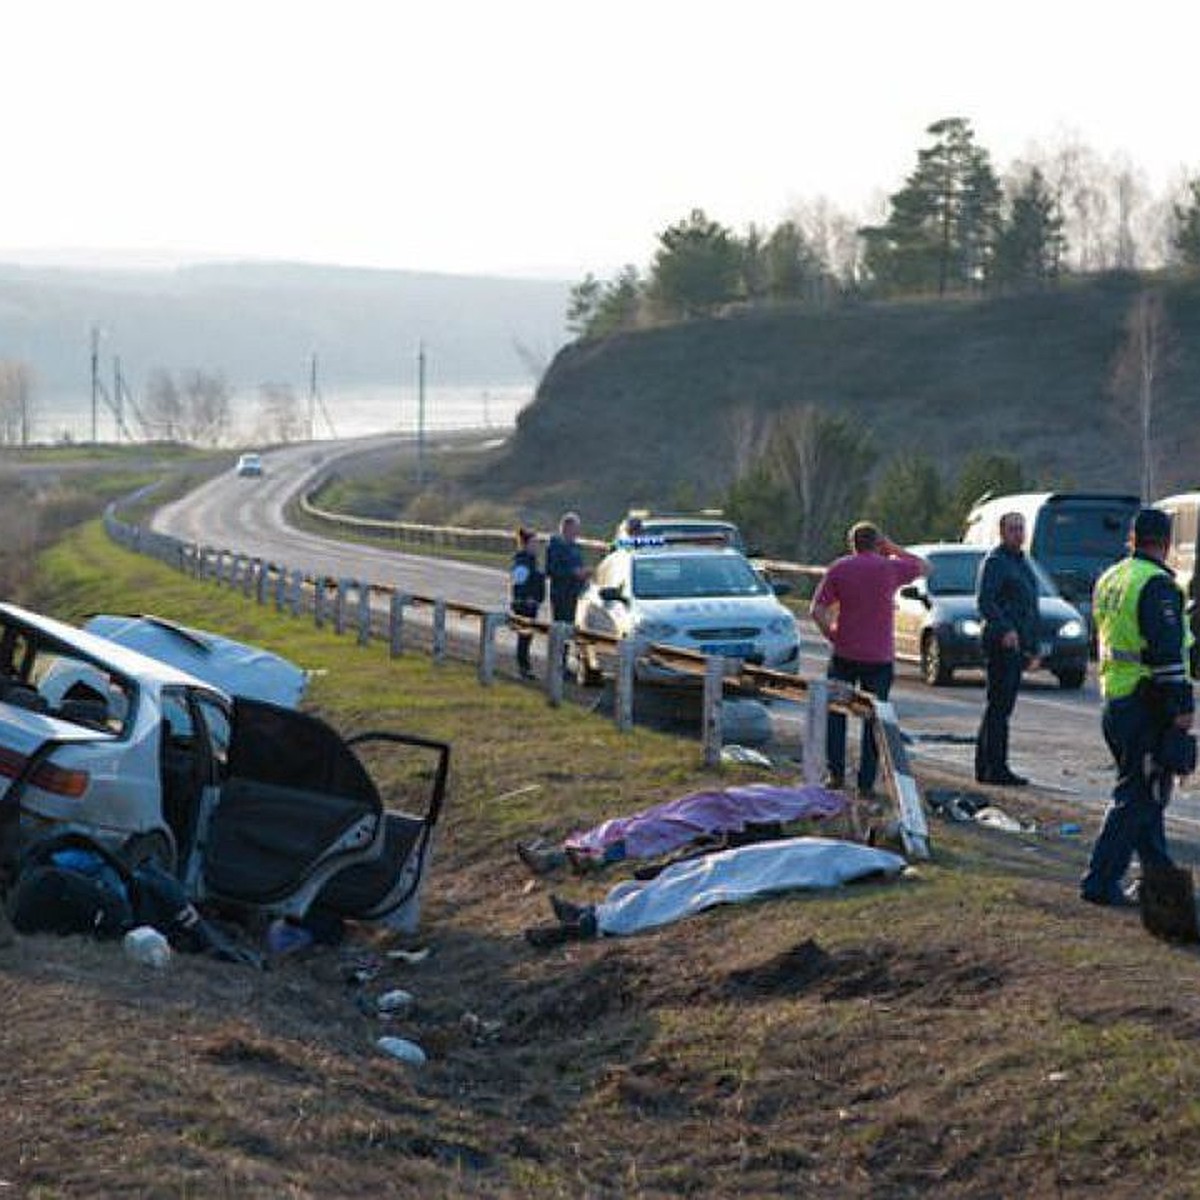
x=250, y=465
x=250, y=803
x=698, y=597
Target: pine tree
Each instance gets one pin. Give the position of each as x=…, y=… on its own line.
x=1031, y=247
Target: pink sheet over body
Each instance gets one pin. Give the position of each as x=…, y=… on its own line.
x=676, y=823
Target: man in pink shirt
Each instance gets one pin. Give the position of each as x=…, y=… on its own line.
x=853, y=609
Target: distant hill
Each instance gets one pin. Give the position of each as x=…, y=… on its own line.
x=645, y=417
x=259, y=321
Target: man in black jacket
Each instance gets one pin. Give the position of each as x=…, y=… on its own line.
x=1008, y=603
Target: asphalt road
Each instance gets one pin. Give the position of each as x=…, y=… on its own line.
x=1055, y=740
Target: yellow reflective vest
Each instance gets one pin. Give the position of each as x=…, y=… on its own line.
x=1115, y=611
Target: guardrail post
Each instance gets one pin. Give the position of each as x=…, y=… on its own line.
x=396, y=623
x=339, y=606
x=627, y=653
x=439, y=631
x=714, y=695
x=248, y=573
x=319, y=601
x=263, y=581
x=488, y=624
x=296, y=599
x=816, y=717
x=364, y=613
x=914, y=832
x=281, y=579
x=556, y=646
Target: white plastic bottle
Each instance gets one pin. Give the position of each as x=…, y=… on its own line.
x=403, y=1049
x=147, y=946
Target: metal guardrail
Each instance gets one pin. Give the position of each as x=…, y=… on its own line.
x=348, y=604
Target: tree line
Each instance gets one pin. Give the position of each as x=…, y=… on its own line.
x=954, y=226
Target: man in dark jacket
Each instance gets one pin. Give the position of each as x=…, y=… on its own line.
x=528, y=590
x=1007, y=594
x=564, y=566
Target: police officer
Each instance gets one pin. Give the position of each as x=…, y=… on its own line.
x=528, y=590
x=1138, y=610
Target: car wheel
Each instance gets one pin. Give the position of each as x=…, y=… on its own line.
x=154, y=848
x=1071, y=679
x=933, y=667
x=586, y=675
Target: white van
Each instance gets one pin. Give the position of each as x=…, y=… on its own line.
x=1076, y=536
x=1185, y=530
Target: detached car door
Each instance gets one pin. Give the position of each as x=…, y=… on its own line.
x=294, y=808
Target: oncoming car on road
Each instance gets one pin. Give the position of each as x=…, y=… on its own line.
x=695, y=596
x=938, y=624
x=250, y=464
x=251, y=804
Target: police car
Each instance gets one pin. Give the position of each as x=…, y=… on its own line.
x=671, y=591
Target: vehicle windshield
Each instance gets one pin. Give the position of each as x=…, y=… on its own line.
x=956, y=574
x=1083, y=535
x=670, y=576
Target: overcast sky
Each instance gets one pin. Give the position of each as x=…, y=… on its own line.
x=536, y=138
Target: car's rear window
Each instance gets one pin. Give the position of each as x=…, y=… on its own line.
x=957, y=574
x=669, y=577
x=73, y=689
x=1083, y=532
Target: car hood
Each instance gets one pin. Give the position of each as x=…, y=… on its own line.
x=758, y=609
x=956, y=608
x=234, y=667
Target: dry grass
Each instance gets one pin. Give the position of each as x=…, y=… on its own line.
x=972, y=1032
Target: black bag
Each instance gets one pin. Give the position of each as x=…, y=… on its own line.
x=67, y=883
x=1168, y=900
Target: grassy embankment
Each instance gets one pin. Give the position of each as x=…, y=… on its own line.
x=971, y=1032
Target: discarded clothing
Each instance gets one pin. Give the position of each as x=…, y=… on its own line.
x=675, y=823
x=735, y=876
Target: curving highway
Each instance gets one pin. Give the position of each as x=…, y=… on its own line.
x=1055, y=735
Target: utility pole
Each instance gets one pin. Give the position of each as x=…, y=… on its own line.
x=420, y=414
x=119, y=414
x=312, y=400
x=95, y=379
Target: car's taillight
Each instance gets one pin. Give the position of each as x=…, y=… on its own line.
x=11, y=763
x=62, y=781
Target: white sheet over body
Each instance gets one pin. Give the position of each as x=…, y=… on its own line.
x=734, y=876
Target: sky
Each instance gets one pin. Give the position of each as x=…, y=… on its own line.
x=531, y=138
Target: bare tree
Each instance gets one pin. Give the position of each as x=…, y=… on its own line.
x=16, y=399
x=280, y=418
x=205, y=399
x=1144, y=357
x=161, y=410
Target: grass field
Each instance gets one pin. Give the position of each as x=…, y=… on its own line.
x=970, y=1032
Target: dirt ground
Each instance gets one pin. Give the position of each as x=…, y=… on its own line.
x=971, y=1030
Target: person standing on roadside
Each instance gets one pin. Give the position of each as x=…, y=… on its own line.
x=1007, y=594
x=528, y=590
x=1144, y=642
x=853, y=608
x=565, y=569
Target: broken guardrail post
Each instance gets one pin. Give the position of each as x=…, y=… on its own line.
x=914, y=832
x=714, y=695
x=396, y=623
x=489, y=623
x=627, y=653
x=816, y=715
x=364, y=613
x=556, y=645
x=439, y=631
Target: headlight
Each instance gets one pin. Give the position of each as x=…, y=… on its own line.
x=781, y=625
x=968, y=627
x=654, y=630
x=1071, y=630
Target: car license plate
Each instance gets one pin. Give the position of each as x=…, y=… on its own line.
x=729, y=649
x=1045, y=649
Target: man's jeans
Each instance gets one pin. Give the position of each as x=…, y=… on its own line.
x=1134, y=820
x=1004, y=668
x=875, y=678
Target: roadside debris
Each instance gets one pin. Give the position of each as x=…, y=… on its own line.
x=402, y=1049
x=745, y=756
x=412, y=957
x=147, y=946
x=396, y=1003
